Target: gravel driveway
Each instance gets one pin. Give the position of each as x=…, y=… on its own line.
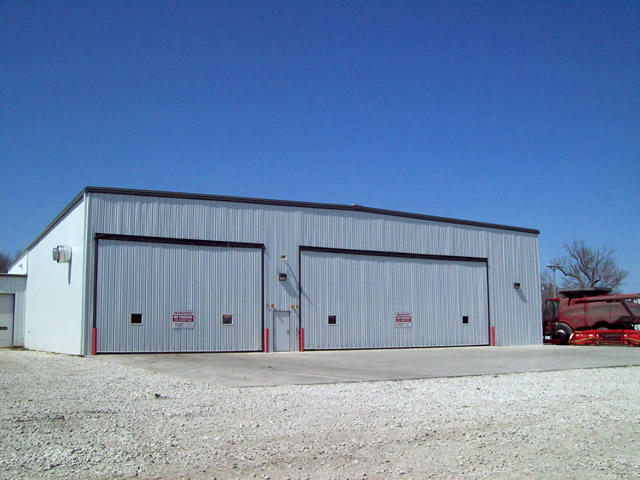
x=73, y=417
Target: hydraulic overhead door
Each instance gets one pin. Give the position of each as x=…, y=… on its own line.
x=165, y=297
x=353, y=300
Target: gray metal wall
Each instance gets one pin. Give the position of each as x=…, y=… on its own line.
x=366, y=292
x=17, y=285
x=156, y=279
x=511, y=256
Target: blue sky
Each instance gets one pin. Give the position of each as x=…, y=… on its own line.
x=520, y=113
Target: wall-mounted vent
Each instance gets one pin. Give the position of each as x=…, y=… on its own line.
x=61, y=254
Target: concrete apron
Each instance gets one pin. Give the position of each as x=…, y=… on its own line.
x=260, y=369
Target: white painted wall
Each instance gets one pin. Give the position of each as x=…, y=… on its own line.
x=20, y=265
x=55, y=290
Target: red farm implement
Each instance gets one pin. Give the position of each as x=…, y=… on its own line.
x=592, y=316
x=606, y=337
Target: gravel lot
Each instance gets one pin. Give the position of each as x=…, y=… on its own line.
x=73, y=417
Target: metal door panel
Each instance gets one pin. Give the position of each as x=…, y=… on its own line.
x=366, y=296
x=219, y=287
x=282, y=332
x=6, y=320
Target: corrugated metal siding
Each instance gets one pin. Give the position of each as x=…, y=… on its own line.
x=516, y=314
x=17, y=285
x=512, y=256
x=156, y=279
x=366, y=292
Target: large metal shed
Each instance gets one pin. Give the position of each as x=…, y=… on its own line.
x=148, y=271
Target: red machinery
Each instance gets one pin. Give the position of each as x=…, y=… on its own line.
x=591, y=316
x=606, y=337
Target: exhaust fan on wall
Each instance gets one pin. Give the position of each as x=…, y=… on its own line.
x=62, y=254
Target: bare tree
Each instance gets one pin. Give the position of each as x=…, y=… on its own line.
x=546, y=285
x=547, y=292
x=5, y=261
x=584, y=266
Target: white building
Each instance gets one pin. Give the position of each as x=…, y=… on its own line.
x=146, y=271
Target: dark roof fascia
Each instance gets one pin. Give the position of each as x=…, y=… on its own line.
x=11, y=275
x=288, y=203
x=78, y=198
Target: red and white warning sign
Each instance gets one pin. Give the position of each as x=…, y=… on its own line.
x=403, y=320
x=183, y=319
